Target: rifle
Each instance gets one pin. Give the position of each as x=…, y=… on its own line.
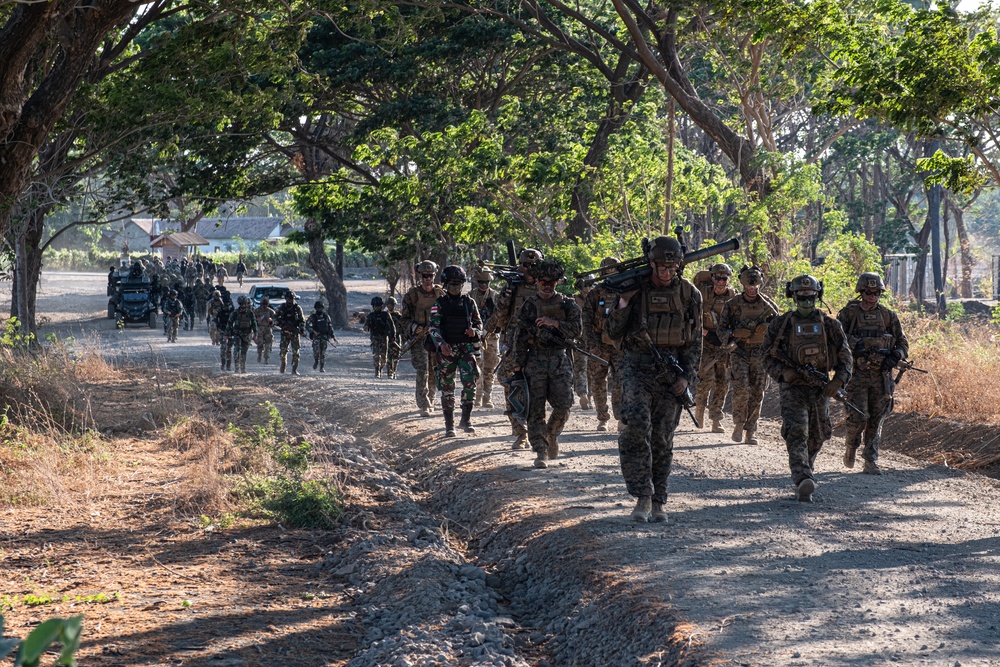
x=509, y=272
x=667, y=367
x=902, y=365
x=627, y=275
x=418, y=333
x=569, y=344
x=818, y=378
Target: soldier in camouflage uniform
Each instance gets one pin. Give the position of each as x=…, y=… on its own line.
x=381, y=328
x=456, y=330
x=713, y=378
x=319, y=326
x=214, y=308
x=395, y=344
x=804, y=336
x=504, y=320
x=878, y=342
x=265, y=329
x=225, y=337
x=742, y=327
x=664, y=313
x=486, y=300
x=202, y=293
x=291, y=322
x=599, y=303
x=545, y=323
x=581, y=365
x=416, y=318
x=242, y=328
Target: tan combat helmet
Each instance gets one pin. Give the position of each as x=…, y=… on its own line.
x=751, y=275
x=530, y=256
x=867, y=281
x=483, y=275
x=427, y=266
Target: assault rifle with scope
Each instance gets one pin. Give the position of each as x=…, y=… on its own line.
x=509, y=272
x=627, y=275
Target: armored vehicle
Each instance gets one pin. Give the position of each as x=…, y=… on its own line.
x=132, y=301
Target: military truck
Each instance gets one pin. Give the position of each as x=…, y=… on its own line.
x=132, y=301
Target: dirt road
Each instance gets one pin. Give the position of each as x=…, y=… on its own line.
x=900, y=569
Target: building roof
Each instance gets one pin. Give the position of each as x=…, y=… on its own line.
x=182, y=239
x=145, y=224
x=249, y=229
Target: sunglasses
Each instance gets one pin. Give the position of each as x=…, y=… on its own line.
x=872, y=292
x=427, y=275
x=483, y=282
x=721, y=279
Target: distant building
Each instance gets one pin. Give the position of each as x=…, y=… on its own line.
x=177, y=245
x=217, y=234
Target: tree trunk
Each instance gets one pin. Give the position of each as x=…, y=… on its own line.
x=336, y=292
x=28, y=263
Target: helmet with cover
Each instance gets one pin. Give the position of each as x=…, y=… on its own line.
x=751, y=275
x=319, y=305
x=721, y=269
x=483, y=275
x=453, y=273
x=665, y=249
x=391, y=301
x=870, y=281
x=265, y=301
x=289, y=295
x=243, y=300
x=427, y=266
x=377, y=302
x=530, y=256
x=804, y=285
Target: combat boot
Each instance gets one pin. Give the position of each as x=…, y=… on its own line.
x=540, y=460
x=466, y=423
x=717, y=426
x=699, y=415
x=658, y=515
x=315, y=363
x=222, y=365
x=738, y=433
x=805, y=490
x=871, y=468
x=295, y=368
x=585, y=402
x=521, y=442
x=850, y=456
x=424, y=412
x=643, y=508
x=322, y=368
x=602, y=425
x=229, y=364
x=552, y=452
x=281, y=369
x=750, y=439
x=449, y=423
x=487, y=403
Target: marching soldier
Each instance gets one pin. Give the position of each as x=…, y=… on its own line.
x=486, y=301
x=713, y=377
x=742, y=327
x=214, y=308
x=292, y=324
x=396, y=344
x=877, y=339
x=659, y=322
x=456, y=328
x=265, y=329
x=804, y=338
x=598, y=304
x=504, y=320
x=202, y=293
x=416, y=318
x=545, y=323
x=242, y=327
x=319, y=326
x=225, y=335
x=581, y=367
x=381, y=330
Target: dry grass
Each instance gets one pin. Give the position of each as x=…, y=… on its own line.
x=207, y=449
x=963, y=360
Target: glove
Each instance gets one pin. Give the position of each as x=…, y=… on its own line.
x=679, y=387
x=789, y=375
x=891, y=360
x=831, y=388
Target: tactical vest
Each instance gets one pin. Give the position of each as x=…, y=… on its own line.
x=243, y=320
x=486, y=303
x=872, y=326
x=712, y=305
x=321, y=324
x=522, y=293
x=265, y=317
x=551, y=307
x=421, y=315
x=378, y=323
x=455, y=318
x=664, y=311
x=807, y=342
x=754, y=315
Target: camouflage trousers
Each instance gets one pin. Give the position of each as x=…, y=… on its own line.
x=550, y=379
x=749, y=380
x=580, y=372
x=319, y=345
x=213, y=331
x=805, y=426
x=380, y=351
x=867, y=391
x=506, y=370
x=713, y=380
x=392, y=355
x=423, y=363
x=241, y=345
x=646, y=444
x=200, y=309
x=491, y=353
x=226, y=351
x=265, y=340
x=463, y=363
x=289, y=339
x=598, y=376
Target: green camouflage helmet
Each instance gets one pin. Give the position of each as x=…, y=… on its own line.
x=870, y=281
x=805, y=284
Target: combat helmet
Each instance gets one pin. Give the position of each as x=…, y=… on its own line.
x=243, y=300
x=377, y=302
x=530, y=256
x=805, y=284
x=609, y=262
x=751, y=275
x=483, y=275
x=319, y=305
x=391, y=301
x=427, y=266
x=665, y=249
x=264, y=301
x=721, y=267
x=548, y=269
x=868, y=281
x=289, y=295
x=453, y=273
